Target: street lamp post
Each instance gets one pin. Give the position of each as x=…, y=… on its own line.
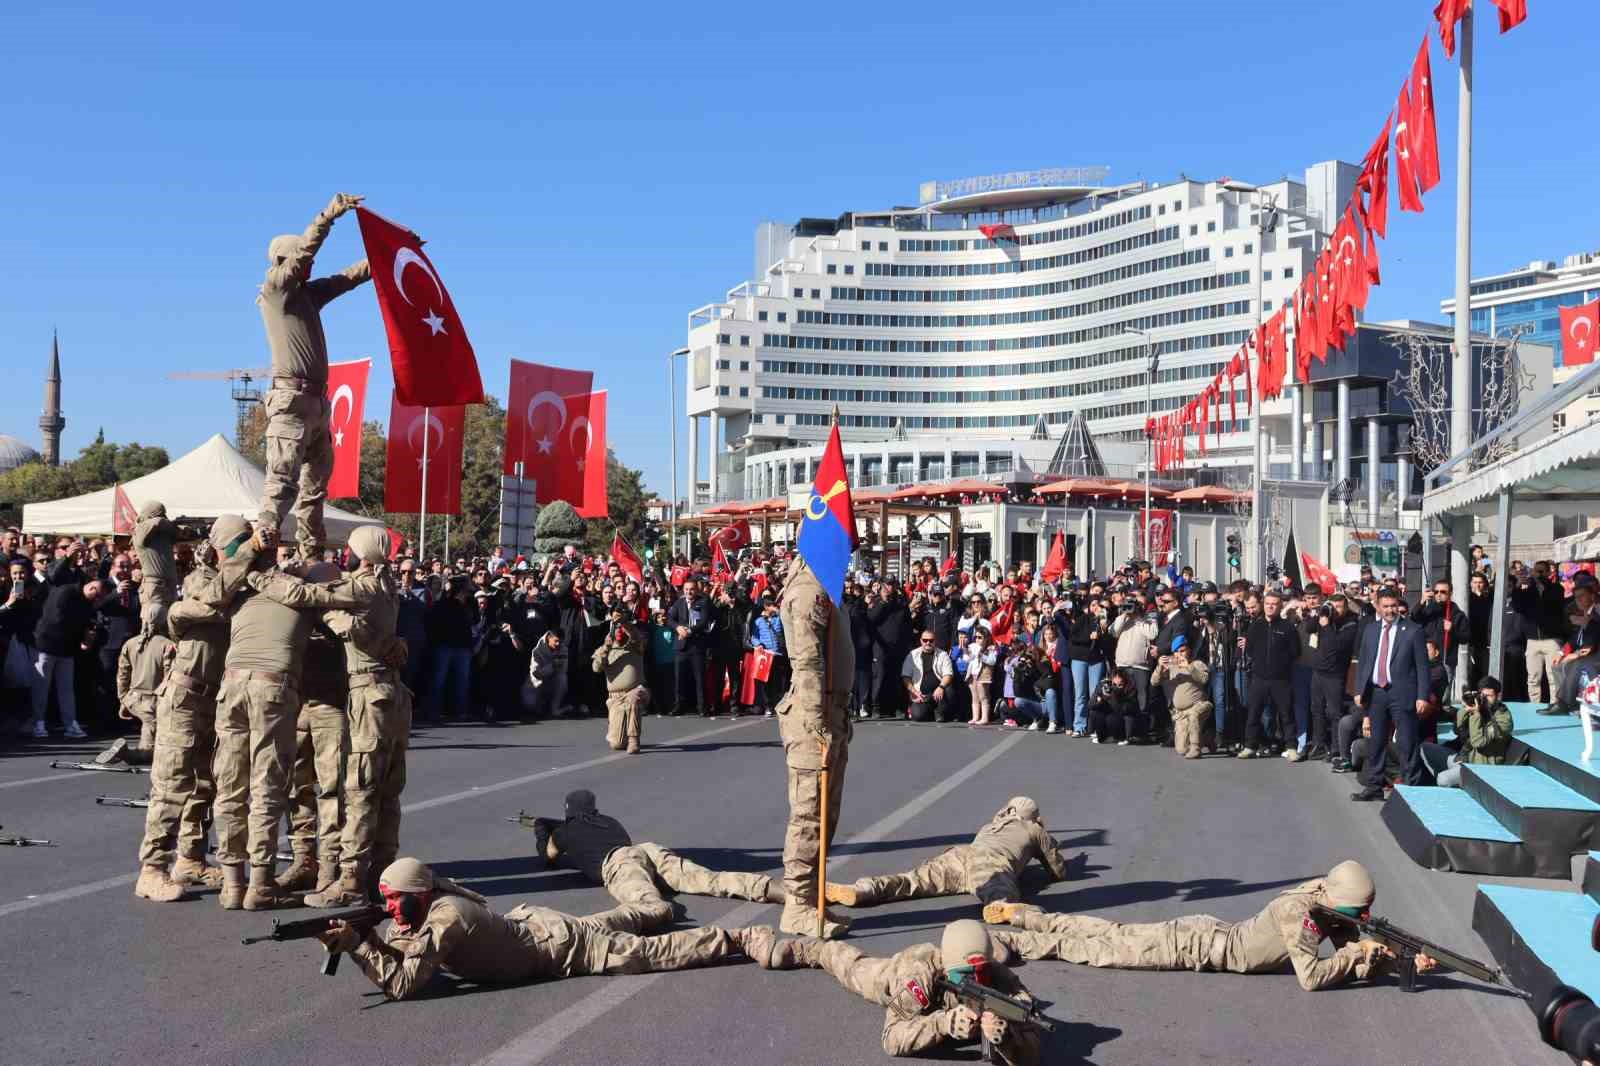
x=1149, y=412
x=1265, y=206
x=672, y=417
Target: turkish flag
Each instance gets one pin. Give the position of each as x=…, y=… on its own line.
x=580, y=454
x=536, y=414
x=1424, y=127
x=947, y=567
x=1374, y=181
x=1000, y=622
x=761, y=664
x=1580, y=332
x=1315, y=571
x=396, y=543
x=443, y=431
x=1159, y=522
x=347, y=385
x=623, y=553
x=1450, y=12
x=1404, y=159
x=679, y=575
x=720, y=570
x=433, y=361
x=1513, y=13
x=1056, y=564
x=998, y=231
x=124, y=515
x=733, y=537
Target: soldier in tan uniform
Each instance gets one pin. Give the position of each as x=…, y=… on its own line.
x=1284, y=932
x=363, y=610
x=440, y=926
x=919, y=1018
x=182, y=786
x=621, y=660
x=597, y=846
x=154, y=536
x=990, y=867
x=141, y=671
x=316, y=807
x=299, y=441
x=1184, y=683
x=814, y=723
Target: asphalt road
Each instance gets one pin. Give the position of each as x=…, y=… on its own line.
x=93, y=975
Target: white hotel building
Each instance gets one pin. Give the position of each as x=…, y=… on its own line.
x=944, y=349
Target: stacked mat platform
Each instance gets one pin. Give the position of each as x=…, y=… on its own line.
x=1542, y=937
x=1524, y=819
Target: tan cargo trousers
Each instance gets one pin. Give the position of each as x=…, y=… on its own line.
x=181, y=784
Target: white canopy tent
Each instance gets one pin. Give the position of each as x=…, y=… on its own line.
x=1558, y=474
x=212, y=480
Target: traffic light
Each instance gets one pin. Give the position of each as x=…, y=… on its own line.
x=1235, y=551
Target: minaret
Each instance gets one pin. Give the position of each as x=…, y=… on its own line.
x=51, y=423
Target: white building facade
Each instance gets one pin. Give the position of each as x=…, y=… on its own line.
x=945, y=348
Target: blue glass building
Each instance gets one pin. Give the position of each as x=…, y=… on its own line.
x=1533, y=295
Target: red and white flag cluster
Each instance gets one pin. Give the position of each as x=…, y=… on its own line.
x=1321, y=316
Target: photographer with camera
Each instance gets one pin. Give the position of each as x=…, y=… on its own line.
x=1213, y=620
x=1330, y=646
x=1272, y=645
x=1114, y=712
x=1134, y=631
x=1483, y=736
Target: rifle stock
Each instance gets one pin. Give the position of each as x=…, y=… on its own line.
x=1407, y=945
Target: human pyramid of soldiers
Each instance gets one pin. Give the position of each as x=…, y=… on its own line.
x=291, y=675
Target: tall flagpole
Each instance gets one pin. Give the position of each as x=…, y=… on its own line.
x=1461, y=363
x=422, y=521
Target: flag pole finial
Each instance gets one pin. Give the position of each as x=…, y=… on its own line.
x=836, y=416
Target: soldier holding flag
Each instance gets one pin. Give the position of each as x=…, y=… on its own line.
x=813, y=717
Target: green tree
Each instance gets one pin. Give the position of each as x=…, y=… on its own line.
x=253, y=445
x=98, y=466
x=557, y=526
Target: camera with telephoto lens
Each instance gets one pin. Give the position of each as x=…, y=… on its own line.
x=1570, y=1022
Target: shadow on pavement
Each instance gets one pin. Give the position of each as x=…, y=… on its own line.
x=648, y=747
x=1073, y=1042
x=1112, y=895
x=472, y=747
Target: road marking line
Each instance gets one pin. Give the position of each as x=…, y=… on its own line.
x=64, y=894
x=40, y=780
x=544, y=1039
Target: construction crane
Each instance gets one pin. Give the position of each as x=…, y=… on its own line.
x=245, y=394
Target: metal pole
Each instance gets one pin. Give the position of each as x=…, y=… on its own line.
x=672, y=417
x=1256, y=529
x=1149, y=441
x=422, y=504
x=1461, y=363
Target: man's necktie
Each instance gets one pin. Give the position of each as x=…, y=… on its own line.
x=1383, y=658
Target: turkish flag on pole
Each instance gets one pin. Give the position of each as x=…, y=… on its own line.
x=1404, y=159
x=536, y=415
x=347, y=385
x=1315, y=571
x=1424, y=127
x=720, y=570
x=433, y=361
x=947, y=567
x=1580, y=332
x=581, y=457
x=1450, y=12
x=1374, y=180
x=733, y=537
x=124, y=515
x=1512, y=13
x=444, y=431
x=623, y=553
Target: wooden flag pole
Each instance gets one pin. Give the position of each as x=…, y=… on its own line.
x=822, y=778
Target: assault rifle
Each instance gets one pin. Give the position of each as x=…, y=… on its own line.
x=121, y=801
x=98, y=768
x=1406, y=946
x=361, y=918
x=23, y=842
x=981, y=999
x=542, y=827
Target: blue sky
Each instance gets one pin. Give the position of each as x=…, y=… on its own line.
x=586, y=176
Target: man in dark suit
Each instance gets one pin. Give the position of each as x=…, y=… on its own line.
x=1392, y=676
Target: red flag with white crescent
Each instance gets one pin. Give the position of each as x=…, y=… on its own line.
x=124, y=515
x=580, y=453
x=347, y=401
x=434, y=364
x=1056, y=564
x=1315, y=571
x=1580, y=331
x=537, y=416
x=720, y=570
x=442, y=429
x=733, y=537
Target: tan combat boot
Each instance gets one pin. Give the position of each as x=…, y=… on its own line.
x=756, y=942
x=844, y=895
x=301, y=876
x=800, y=918
x=232, y=895
x=633, y=745
x=156, y=886
x=797, y=953
x=113, y=753
x=345, y=892
x=264, y=894
x=196, y=872
x=774, y=892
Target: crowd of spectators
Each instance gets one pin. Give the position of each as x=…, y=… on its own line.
x=1135, y=657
